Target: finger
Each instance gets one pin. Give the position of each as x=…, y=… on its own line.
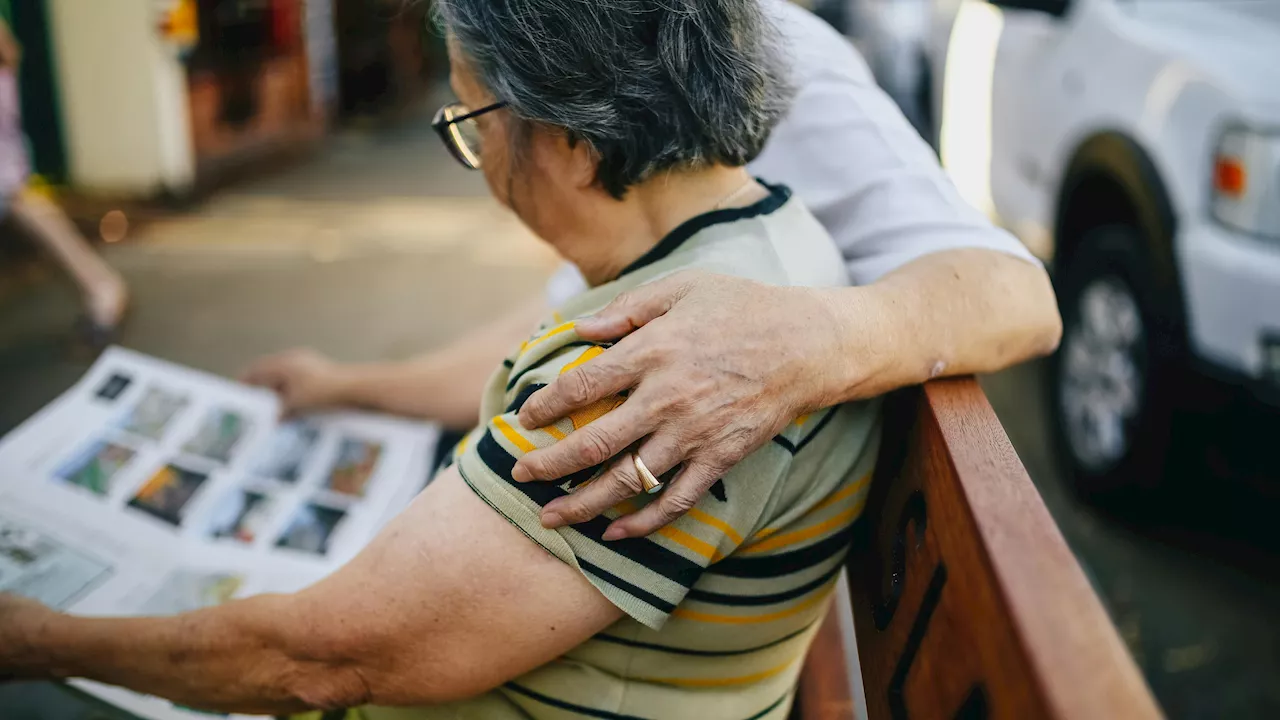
x=588, y=447
x=258, y=373
x=591, y=382
x=634, y=309
x=663, y=452
x=268, y=370
x=678, y=498
x=620, y=482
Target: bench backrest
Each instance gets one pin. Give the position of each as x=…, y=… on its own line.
x=967, y=601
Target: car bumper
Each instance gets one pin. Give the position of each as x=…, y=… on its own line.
x=1232, y=286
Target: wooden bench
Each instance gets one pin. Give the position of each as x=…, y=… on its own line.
x=967, y=602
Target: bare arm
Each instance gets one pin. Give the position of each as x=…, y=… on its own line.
x=448, y=602
x=717, y=366
x=445, y=385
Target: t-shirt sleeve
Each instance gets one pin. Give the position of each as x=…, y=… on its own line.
x=645, y=577
x=861, y=168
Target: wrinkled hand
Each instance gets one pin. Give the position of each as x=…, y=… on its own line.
x=18, y=618
x=304, y=379
x=717, y=366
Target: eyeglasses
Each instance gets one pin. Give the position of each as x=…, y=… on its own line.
x=458, y=129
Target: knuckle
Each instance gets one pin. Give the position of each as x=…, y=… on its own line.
x=536, y=407
x=629, y=482
x=575, y=511
x=675, y=504
x=578, y=387
x=594, y=445
x=703, y=473
x=535, y=465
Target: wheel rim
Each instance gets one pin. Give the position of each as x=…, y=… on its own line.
x=1101, y=381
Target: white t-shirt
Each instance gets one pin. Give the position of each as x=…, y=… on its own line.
x=854, y=160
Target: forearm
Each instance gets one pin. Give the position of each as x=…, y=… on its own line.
x=444, y=385
x=234, y=658
x=951, y=313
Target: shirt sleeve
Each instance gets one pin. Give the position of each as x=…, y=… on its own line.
x=645, y=577
x=860, y=167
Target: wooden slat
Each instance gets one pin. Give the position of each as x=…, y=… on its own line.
x=967, y=601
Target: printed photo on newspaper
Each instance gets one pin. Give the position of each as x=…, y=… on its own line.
x=149, y=488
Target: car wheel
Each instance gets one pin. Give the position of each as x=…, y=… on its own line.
x=1114, y=380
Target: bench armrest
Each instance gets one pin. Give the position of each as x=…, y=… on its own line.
x=967, y=601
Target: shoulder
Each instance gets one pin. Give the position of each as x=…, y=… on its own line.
x=813, y=48
x=787, y=246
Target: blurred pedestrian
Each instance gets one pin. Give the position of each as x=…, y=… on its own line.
x=105, y=295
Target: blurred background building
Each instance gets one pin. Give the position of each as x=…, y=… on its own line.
x=150, y=98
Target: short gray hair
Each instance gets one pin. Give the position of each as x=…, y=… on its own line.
x=651, y=85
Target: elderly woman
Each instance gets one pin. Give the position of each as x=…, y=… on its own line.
x=618, y=132
x=720, y=363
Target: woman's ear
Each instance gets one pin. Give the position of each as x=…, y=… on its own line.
x=583, y=162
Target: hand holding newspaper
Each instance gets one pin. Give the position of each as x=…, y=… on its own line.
x=150, y=489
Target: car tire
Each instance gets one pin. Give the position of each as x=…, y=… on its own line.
x=1114, y=383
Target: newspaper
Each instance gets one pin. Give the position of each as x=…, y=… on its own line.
x=152, y=489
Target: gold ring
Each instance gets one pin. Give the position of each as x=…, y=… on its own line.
x=651, y=484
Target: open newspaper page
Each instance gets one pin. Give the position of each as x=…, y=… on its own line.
x=152, y=489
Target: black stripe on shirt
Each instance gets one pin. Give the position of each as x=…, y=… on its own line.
x=699, y=653
x=579, y=709
x=771, y=708
x=777, y=197
x=794, y=448
x=638, y=592
x=515, y=379
x=523, y=397
x=769, y=566
x=773, y=599
x=667, y=563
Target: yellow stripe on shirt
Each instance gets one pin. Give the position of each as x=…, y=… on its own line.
x=717, y=523
x=516, y=438
x=549, y=334
x=831, y=500
x=587, y=355
x=684, y=539
x=782, y=540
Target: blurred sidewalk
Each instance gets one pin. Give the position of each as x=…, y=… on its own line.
x=379, y=246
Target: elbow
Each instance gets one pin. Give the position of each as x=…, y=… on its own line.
x=1051, y=334
x=1046, y=333
x=391, y=674
x=327, y=686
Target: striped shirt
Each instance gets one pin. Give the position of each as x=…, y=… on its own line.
x=722, y=604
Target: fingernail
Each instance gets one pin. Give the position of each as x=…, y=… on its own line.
x=614, y=533
x=551, y=520
x=520, y=475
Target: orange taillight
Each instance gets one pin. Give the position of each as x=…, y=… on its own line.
x=1229, y=176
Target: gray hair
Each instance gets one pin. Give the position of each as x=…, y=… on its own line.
x=650, y=85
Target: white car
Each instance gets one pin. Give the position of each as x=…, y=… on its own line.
x=1135, y=146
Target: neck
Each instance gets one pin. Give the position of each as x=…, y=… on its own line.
x=613, y=234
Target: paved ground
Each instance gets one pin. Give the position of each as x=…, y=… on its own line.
x=381, y=247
